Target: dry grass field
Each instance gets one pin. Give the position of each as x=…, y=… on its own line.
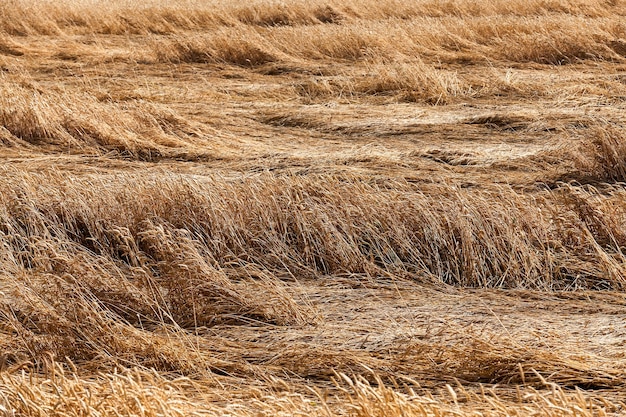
x=313, y=208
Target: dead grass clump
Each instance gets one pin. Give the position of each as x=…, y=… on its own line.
x=608, y=152
x=506, y=362
x=414, y=82
x=274, y=15
x=252, y=46
x=282, y=14
x=546, y=32
x=130, y=393
x=120, y=288
x=133, y=392
x=63, y=122
x=587, y=8
x=599, y=157
x=502, y=121
x=291, y=120
x=325, y=88
x=9, y=47
x=193, y=279
x=341, y=44
x=158, y=244
x=98, y=17
x=156, y=16
x=126, y=268
x=596, y=221
x=326, y=226
x=546, y=39
x=241, y=47
x=454, y=158
x=19, y=19
x=146, y=19
x=331, y=42
x=27, y=116
x=595, y=155
x=328, y=14
x=366, y=399
x=542, y=39
x=553, y=45
x=619, y=46
x=602, y=214
x=48, y=315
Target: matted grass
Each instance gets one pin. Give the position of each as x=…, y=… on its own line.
x=312, y=208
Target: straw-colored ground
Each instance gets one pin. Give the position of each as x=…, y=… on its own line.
x=315, y=208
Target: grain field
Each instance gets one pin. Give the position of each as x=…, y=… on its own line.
x=312, y=208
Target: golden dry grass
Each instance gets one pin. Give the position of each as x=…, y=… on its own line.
x=312, y=208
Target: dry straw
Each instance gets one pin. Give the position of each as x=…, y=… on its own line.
x=149, y=268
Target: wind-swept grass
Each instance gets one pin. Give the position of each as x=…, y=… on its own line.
x=136, y=393
x=312, y=208
x=545, y=39
x=324, y=225
x=79, y=123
